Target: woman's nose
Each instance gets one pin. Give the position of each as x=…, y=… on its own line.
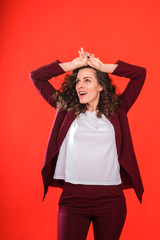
x=81, y=84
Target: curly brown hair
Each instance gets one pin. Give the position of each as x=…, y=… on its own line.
x=67, y=98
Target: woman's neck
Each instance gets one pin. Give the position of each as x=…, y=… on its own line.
x=91, y=109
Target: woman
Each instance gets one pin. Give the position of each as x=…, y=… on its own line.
x=90, y=153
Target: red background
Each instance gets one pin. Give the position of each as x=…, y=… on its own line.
x=36, y=32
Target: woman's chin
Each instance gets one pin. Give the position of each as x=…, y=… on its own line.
x=82, y=101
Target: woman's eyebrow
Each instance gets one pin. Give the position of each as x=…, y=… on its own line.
x=85, y=77
x=88, y=77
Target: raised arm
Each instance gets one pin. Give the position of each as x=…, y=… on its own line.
x=137, y=77
x=135, y=73
x=40, y=78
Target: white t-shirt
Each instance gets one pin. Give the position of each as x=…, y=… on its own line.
x=88, y=154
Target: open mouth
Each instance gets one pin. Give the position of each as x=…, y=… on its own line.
x=82, y=93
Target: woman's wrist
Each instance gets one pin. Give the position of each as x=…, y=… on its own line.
x=67, y=66
x=109, y=68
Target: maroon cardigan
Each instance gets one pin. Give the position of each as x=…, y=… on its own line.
x=128, y=164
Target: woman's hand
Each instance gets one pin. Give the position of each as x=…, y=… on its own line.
x=99, y=65
x=81, y=60
x=90, y=59
x=76, y=63
x=103, y=67
x=95, y=62
x=86, y=58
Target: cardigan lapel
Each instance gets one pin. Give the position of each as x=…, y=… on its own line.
x=65, y=126
x=115, y=121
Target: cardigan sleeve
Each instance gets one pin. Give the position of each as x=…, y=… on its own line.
x=40, y=78
x=137, y=77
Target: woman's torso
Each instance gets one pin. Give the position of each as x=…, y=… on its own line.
x=88, y=154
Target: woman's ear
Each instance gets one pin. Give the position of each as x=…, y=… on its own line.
x=100, y=88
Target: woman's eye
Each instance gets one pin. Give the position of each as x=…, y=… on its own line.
x=77, y=81
x=87, y=80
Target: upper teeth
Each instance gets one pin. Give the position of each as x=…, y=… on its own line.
x=81, y=93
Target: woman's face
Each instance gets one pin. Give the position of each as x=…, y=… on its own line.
x=88, y=89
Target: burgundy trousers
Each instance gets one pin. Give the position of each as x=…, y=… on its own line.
x=79, y=205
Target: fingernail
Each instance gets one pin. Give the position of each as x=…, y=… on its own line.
x=86, y=55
